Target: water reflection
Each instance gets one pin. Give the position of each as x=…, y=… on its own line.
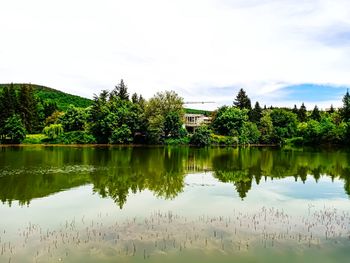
x=33, y=172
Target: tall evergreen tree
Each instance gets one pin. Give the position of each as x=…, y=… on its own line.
x=120, y=91
x=295, y=109
x=256, y=113
x=8, y=104
x=302, y=113
x=134, y=98
x=331, y=109
x=28, y=107
x=315, y=114
x=345, y=111
x=242, y=100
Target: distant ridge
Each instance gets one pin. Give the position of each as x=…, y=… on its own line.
x=62, y=99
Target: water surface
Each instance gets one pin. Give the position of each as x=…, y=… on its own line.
x=175, y=204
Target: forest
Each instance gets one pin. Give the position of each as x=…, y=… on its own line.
x=33, y=115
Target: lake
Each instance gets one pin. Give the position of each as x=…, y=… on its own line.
x=174, y=204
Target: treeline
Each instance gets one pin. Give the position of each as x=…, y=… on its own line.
x=21, y=112
x=115, y=117
x=282, y=125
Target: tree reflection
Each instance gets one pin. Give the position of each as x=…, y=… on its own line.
x=116, y=172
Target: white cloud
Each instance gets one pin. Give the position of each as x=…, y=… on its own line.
x=85, y=46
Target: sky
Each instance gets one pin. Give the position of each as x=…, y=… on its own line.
x=282, y=52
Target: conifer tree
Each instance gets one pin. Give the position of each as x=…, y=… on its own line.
x=302, y=113
x=256, y=113
x=316, y=115
x=295, y=109
x=242, y=100
x=331, y=109
x=8, y=104
x=120, y=91
x=134, y=98
x=28, y=107
x=345, y=111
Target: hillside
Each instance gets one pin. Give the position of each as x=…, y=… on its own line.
x=195, y=111
x=62, y=99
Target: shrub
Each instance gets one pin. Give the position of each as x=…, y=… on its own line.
x=75, y=137
x=14, y=129
x=121, y=135
x=201, y=136
x=35, y=139
x=53, y=131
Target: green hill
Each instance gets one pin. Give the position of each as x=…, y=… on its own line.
x=195, y=111
x=62, y=99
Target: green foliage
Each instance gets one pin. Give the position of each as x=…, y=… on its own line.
x=229, y=120
x=315, y=114
x=222, y=140
x=120, y=92
x=45, y=94
x=172, y=125
x=28, y=107
x=195, y=111
x=295, y=141
x=284, y=125
x=249, y=134
x=8, y=103
x=266, y=128
x=255, y=114
x=201, y=136
x=115, y=120
x=345, y=111
x=302, y=113
x=35, y=139
x=75, y=137
x=74, y=119
x=184, y=140
x=53, y=131
x=242, y=101
x=121, y=135
x=164, y=112
x=14, y=130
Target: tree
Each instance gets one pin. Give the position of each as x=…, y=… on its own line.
x=256, y=113
x=74, y=119
x=120, y=91
x=284, y=124
x=266, y=128
x=99, y=112
x=121, y=134
x=315, y=114
x=345, y=111
x=172, y=125
x=107, y=118
x=331, y=109
x=242, y=101
x=53, y=131
x=28, y=107
x=229, y=120
x=14, y=130
x=164, y=112
x=249, y=133
x=8, y=104
x=134, y=98
x=295, y=110
x=201, y=136
x=302, y=114
x=49, y=108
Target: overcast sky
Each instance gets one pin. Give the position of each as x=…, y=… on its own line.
x=280, y=51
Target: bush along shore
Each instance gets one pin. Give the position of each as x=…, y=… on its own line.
x=115, y=117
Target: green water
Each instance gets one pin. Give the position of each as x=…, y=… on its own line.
x=175, y=204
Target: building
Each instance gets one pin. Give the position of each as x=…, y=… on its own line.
x=193, y=121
